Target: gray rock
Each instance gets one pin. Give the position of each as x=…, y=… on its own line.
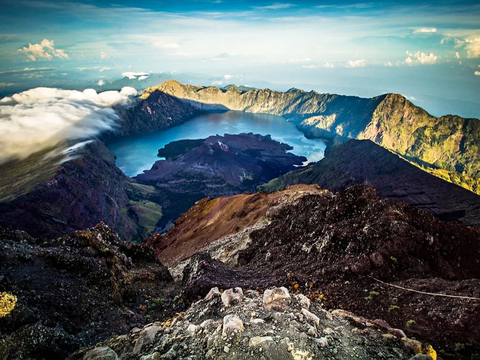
x=231, y=296
x=146, y=337
x=155, y=356
x=213, y=293
x=421, y=357
x=232, y=325
x=303, y=301
x=276, y=299
x=257, y=341
x=311, y=318
x=101, y=353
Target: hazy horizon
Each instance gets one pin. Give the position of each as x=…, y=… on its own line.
x=428, y=52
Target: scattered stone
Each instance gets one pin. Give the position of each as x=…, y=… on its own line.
x=328, y=331
x=323, y=341
x=192, y=329
x=231, y=296
x=258, y=340
x=101, y=353
x=397, y=332
x=213, y=293
x=311, y=318
x=147, y=335
x=276, y=299
x=311, y=331
x=155, y=356
x=232, y=325
x=258, y=321
x=421, y=357
x=303, y=301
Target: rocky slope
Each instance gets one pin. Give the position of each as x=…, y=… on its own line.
x=230, y=219
x=446, y=146
x=157, y=112
x=53, y=193
x=217, y=166
x=275, y=325
x=335, y=248
x=75, y=290
x=364, y=162
x=53, y=197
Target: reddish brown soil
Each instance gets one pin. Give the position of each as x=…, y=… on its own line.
x=210, y=220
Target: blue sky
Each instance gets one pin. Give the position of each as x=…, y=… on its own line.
x=428, y=51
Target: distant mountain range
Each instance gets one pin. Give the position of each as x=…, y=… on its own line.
x=448, y=146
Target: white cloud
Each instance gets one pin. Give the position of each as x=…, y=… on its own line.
x=103, y=55
x=26, y=70
x=457, y=55
x=324, y=65
x=39, y=118
x=426, y=30
x=143, y=77
x=473, y=48
x=104, y=69
x=134, y=75
x=101, y=82
x=420, y=58
x=43, y=51
x=355, y=63
x=477, y=73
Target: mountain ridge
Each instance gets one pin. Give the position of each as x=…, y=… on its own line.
x=447, y=146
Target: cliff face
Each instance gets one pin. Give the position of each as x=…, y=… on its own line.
x=77, y=194
x=364, y=162
x=446, y=147
x=339, y=115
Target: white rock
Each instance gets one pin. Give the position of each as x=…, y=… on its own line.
x=311, y=331
x=191, y=329
x=213, y=293
x=311, y=318
x=232, y=325
x=276, y=299
x=323, y=341
x=226, y=349
x=303, y=301
x=231, y=296
x=258, y=321
x=258, y=340
x=155, y=356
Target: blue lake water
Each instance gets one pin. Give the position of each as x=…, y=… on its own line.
x=139, y=152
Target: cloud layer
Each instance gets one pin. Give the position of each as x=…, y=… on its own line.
x=42, y=117
x=43, y=51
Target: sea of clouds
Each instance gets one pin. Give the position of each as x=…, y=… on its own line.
x=40, y=118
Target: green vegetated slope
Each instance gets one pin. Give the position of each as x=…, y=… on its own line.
x=447, y=147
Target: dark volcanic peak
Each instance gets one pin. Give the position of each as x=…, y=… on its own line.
x=216, y=166
x=76, y=194
x=243, y=161
x=364, y=162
